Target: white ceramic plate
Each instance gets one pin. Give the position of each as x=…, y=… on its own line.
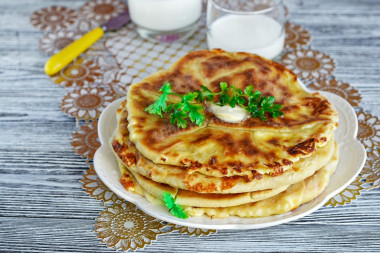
x=351, y=161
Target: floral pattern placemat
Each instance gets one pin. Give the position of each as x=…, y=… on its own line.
x=121, y=58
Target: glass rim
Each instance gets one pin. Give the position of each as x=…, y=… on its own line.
x=279, y=3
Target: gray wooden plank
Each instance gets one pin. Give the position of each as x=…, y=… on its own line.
x=31, y=235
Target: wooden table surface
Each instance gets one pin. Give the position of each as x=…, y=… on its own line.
x=42, y=205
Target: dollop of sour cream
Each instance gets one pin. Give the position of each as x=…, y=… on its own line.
x=227, y=113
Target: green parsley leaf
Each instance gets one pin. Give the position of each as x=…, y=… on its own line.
x=204, y=94
x=224, y=99
x=166, y=88
x=169, y=107
x=233, y=102
x=169, y=200
x=175, y=209
x=236, y=97
x=241, y=101
x=224, y=86
x=178, y=117
x=160, y=105
x=179, y=212
x=248, y=90
x=196, y=115
x=189, y=97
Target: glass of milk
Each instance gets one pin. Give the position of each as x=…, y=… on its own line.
x=165, y=20
x=254, y=26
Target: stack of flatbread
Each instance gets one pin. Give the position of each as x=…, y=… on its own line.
x=253, y=168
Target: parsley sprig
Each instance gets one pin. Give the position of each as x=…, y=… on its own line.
x=253, y=101
x=179, y=111
x=175, y=209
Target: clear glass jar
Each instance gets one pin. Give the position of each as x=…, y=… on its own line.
x=256, y=26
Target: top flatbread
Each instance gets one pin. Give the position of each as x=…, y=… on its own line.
x=221, y=149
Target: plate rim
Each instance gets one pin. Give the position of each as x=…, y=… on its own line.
x=146, y=207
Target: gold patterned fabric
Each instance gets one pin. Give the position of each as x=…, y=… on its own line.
x=339, y=88
x=308, y=64
x=104, y=73
x=53, y=18
x=124, y=226
x=296, y=36
x=85, y=140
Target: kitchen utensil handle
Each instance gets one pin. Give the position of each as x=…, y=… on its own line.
x=73, y=50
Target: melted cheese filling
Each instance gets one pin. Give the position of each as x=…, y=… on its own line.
x=228, y=114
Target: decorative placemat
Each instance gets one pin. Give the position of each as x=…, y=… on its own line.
x=121, y=58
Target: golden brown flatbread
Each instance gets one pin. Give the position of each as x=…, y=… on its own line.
x=219, y=149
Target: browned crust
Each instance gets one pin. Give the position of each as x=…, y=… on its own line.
x=128, y=158
x=127, y=182
x=206, y=188
x=318, y=104
x=303, y=148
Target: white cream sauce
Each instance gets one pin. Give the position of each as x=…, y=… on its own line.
x=227, y=113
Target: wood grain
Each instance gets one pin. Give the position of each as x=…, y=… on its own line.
x=42, y=205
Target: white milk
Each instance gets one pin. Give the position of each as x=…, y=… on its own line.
x=257, y=34
x=164, y=15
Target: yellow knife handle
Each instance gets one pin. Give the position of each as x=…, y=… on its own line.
x=70, y=52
